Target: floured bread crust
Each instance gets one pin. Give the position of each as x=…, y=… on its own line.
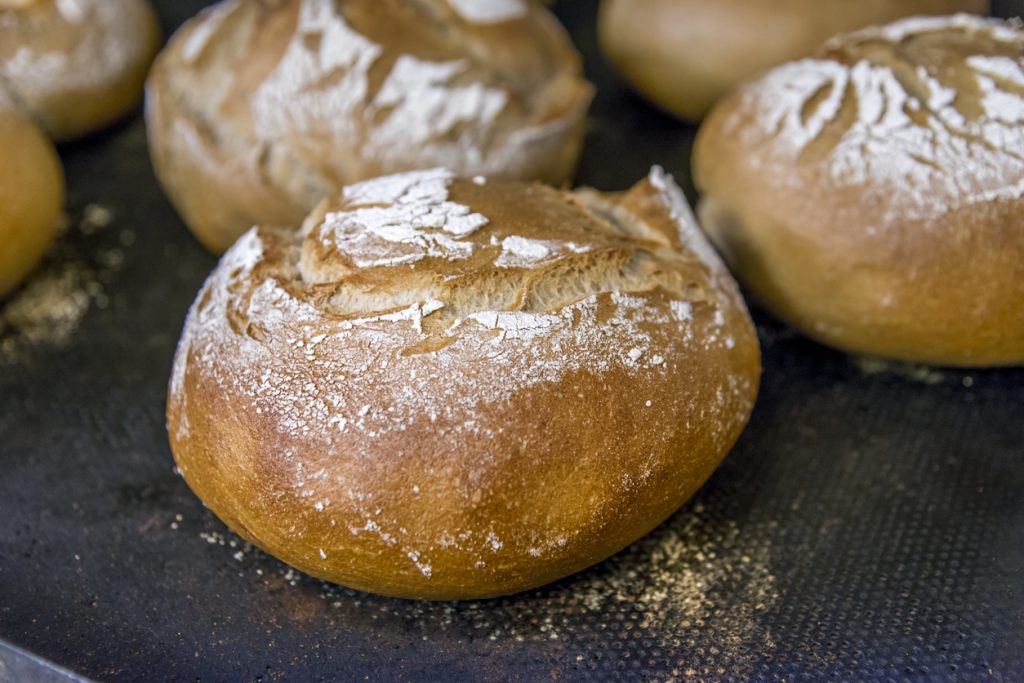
x=686, y=54
x=258, y=110
x=874, y=195
x=75, y=66
x=449, y=389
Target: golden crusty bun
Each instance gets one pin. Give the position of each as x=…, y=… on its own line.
x=686, y=54
x=75, y=66
x=31, y=197
x=453, y=389
x=874, y=196
x=258, y=110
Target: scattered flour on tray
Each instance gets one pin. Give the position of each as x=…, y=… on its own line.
x=48, y=307
x=696, y=579
x=870, y=366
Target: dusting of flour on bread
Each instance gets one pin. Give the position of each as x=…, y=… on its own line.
x=407, y=217
x=417, y=307
x=396, y=222
x=72, y=10
x=342, y=92
x=878, y=110
x=289, y=98
x=400, y=219
x=419, y=104
x=92, y=60
x=490, y=11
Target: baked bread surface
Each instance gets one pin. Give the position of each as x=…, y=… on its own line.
x=874, y=196
x=258, y=110
x=31, y=197
x=686, y=54
x=450, y=389
x=75, y=66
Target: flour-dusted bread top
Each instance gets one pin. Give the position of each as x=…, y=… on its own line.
x=491, y=11
x=488, y=384
x=686, y=54
x=75, y=65
x=924, y=115
x=299, y=97
x=874, y=195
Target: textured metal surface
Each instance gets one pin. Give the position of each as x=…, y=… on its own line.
x=869, y=525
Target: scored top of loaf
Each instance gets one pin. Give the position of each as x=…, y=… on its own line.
x=925, y=114
x=495, y=285
x=453, y=380
x=384, y=85
x=413, y=237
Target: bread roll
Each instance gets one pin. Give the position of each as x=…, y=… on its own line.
x=258, y=110
x=75, y=66
x=452, y=389
x=31, y=197
x=686, y=54
x=874, y=196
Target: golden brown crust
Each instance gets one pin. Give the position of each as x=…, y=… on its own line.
x=31, y=197
x=258, y=110
x=78, y=65
x=686, y=54
x=448, y=390
x=873, y=196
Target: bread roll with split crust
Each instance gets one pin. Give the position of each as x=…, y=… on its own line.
x=874, y=196
x=31, y=197
x=686, y=54
x=450, y=389
x=75, y=66
x=258, y=110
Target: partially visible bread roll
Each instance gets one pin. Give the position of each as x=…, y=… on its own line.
x=686, y=54
x=31, y=197
x=453, y=389
x=75, y=66
x=258, y=110
x=874, y=196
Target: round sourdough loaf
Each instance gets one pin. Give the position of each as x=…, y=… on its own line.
x=686, y=54
x=453, y=389
x=75, y=66
x=257, y=110
x=31, y=197
x=874, y=196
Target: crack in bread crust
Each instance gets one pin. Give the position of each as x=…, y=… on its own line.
x=391, y=242
x=468, y=421
x=925, y=113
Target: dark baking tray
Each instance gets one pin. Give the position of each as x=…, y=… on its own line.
x=869, y=525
